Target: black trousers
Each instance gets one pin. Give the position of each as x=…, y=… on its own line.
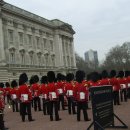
x=45, y=106
x=82, y=106
x=54, y=109
x=61, y=102
x=25, y=109
x=37, y=103
x=2, y=126
x=71, y=105
x=116, y=97
x=123, y=95
x=15, y=106
x=8, y=98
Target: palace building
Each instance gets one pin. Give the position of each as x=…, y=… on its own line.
x=32, y=44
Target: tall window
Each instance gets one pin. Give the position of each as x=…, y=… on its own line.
x=30, y=40
x=20, y=38
x=53, y=60
x=46, y=58
x=22, y=54
x=45, y=43
x=64, y=59
x=39, y=58
x=68, y=60
x=31, y=58
x=11, y=37
x=51, y=45
x=38, y=42
x=12, y=56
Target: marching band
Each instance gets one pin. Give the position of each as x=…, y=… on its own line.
x=52, y=93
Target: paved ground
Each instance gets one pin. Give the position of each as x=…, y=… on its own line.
x=68, y=122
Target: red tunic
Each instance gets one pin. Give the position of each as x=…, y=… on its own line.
x=128, y=81
x=94, y=84
x=14, y=92
x=7, y=90
x=114, y=82
x=123, y=83
x=44, y=91
x=36, y=89
x=82, y=92
x=52, y=89
x=60, y=87
x=24, y=89
x=105, y=81
x=69, y=89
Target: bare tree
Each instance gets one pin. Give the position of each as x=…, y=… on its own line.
x=117, y=58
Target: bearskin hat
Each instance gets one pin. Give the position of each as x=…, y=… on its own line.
x=23, y=78
x=94, y=76
x=112, y=73
x=80, y=76
x=7, y=84
x=69, y=77
x=14, y=84
x=127, y=73
x=31, y=80
x=1, y=85
x=104, y=74
x=59, y=76
x=44, y=80
x=35, y=78
x=51, y=76
x=121, y=74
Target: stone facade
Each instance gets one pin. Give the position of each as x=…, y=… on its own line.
x=32, y=44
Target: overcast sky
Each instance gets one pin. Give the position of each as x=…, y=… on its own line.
x=99, y=24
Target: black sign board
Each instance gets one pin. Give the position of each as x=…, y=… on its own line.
x=102, y=106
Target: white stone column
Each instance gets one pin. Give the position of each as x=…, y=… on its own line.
x=2, y=51
x=58, y=50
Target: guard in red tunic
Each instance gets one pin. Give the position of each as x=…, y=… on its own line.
x=105, y=79
x=69, y=87
x=53, y=96
x=60, y=89
x=36, y=93
x=2, y=105
x=25, y=97
x=45, y=95
x=95, y=82
x=81, y=96
x=123, y=85
x=116, y=87
x=14, y=93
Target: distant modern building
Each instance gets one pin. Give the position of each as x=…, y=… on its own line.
x=91, y=57
x=32, y=44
